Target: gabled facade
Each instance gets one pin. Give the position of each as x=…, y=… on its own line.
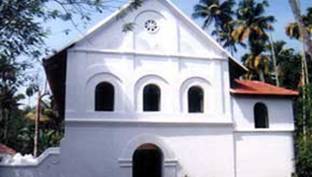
x=161, y=101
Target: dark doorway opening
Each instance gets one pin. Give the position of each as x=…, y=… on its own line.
x=147, y=161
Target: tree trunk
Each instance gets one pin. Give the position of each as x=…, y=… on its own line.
x=6, y=125
x=277, y=82
x=306, y=48
x=36, y=135
x=261, y=75
x=304, y=35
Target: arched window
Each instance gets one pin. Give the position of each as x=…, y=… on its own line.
x=151, y=98
x=261, y=116
x=195, y=100
x=104, y=97
x=147, y=161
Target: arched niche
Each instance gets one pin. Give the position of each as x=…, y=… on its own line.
x=136, y=142
x=94, y=81
x=196, y=82
x=169, y=161
x=146, y=80
x=152, y=30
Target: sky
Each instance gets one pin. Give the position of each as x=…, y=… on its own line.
x=278, y=8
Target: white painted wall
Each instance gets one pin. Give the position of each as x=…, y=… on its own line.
x=263, y=152
x=175, y=58
x=107, y=148
x=130, y=74
x=280, y=113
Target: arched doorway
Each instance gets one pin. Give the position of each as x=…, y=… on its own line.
x=147, y=161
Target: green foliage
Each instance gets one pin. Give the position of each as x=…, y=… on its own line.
x=21, y=130
x=253, y=26
x=214, y=11
x=221, y=15
x=250, y=27
x=304, y=133
x=258, y=66
x=22, y=35
x=20, y=32
x=11, y=78
x=288, y=65
x=21, y=21
x=304, y=156
x=292, y=29
x=127, y=27
x=247, y=25
x=49, y=138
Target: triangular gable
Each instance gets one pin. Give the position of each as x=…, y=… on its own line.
x=205, y=45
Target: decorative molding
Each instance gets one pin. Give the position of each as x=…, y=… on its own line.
x=163, y=122
x=145, y=80
x=201, y=82
x=269, y=130
x=125, y=160
x=127, y=163
x=144, y=53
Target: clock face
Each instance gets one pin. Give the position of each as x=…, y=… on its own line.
x=151, y=26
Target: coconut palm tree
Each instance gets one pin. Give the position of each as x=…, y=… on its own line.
x=252, y=24
x=301, y=30
x=288, y=64
x=292, y=29
x=252, y=28
x=258, y=65
x=213, y=11
x=221, y=15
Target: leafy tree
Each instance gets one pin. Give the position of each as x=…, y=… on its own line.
x=214, y=11
x=50, y=125
x=21, y=21
x=253, y=26
x=10, y=79
x=221, y=15
x=252, y=23
x=301, y=29
x=21, y=42
x=292, y=29
x=303, y=26
x=303, y=133
x=288, y=65
x=258, y=66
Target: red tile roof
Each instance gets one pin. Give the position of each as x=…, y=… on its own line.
x=247, y=87
x=6, y=150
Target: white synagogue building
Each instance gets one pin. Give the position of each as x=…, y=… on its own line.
x=161, y=100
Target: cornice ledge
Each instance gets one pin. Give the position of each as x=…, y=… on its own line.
x=145, y=53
